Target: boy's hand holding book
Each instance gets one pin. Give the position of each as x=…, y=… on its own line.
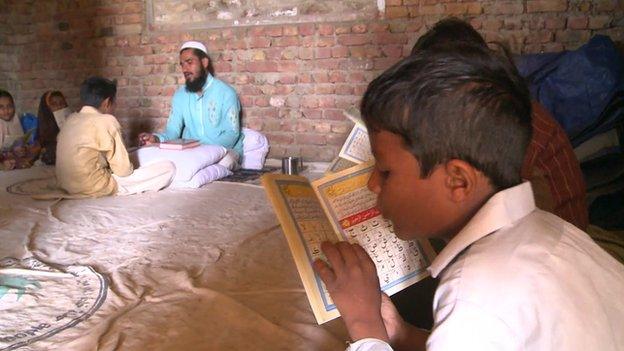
x=353, y=285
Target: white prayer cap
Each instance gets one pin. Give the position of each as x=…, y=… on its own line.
x=194, y=45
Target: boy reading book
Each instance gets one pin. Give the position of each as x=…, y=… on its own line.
x=449, y=129
x=91, y=159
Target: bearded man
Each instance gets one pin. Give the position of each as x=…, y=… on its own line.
x=206, y=108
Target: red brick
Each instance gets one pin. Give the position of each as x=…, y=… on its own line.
x=280, y=138
x=394, y=2
x=377, y=27
x=554, y=23
x=599, y=22
x=312, y=113
x=356, y=77
x=290, y=30
x=578, y=22
x=325, y=29
x=324, y=89
x=359, y=28
x=306, y=29
x=326, y=101
x=437, y=9
x=541, y=36
x=259, y=42
x=325, y=41
x=335, y=115
x=320, y=77
x=339, y=51
x=574, y=36
x=342, y=30
x=313, y=139
x=322, y=53
x=546, y=6
x=328, y=64
x=354, y=39
x=274, y=31
x=396, y=12
x=390, y=38
x=261, y=66
x=306, y=53
x=287, y=66
x=492, y=24
x=504, y=8
x=309, y=102
x=344, y=89
x=286, y=41
x=392, y=50
x=605, y=5
x=337, y=77
x=256, y=32
x=456, y=9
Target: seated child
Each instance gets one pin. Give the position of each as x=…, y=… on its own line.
x=14, y=151
x=549, y=164
x=91, y=159
x=449, y=130
x=52, y=107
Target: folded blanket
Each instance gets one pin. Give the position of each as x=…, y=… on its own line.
x=203, y=177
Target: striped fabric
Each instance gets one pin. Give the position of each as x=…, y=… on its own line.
x=551, y=158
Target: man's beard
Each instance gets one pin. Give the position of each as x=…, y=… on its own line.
x=197, y=84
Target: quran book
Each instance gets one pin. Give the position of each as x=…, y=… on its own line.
x=339, y=207
x=179, y=144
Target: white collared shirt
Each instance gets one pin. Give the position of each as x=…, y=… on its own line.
x=518, y=278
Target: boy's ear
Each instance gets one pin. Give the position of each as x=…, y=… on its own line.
x=461, y=179
x=205, y=62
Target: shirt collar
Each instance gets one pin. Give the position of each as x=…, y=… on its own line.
x=89, y=109
x=502, y=209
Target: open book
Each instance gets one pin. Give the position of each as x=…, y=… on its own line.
x=356, y=148
x=339, y=207
x=179, y=144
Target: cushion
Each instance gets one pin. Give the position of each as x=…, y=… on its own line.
x=255, y=149
x=203, y=177
x=188, y=161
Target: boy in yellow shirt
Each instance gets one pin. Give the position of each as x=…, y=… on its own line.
x=91, y=159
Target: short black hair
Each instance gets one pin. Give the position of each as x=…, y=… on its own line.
x=94, y=90
x=6, y=94
x=461, y=102
x=448, y=31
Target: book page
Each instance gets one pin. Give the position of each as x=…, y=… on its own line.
x=339, y=164
x=305, y=226
x=352, y=210
x=357, y=146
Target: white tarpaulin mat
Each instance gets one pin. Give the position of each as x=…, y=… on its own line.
x=205, y=269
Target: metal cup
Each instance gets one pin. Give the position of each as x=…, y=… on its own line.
x=291, y=165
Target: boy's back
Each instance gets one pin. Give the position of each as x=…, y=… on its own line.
x=535, y=283
x=89, y=148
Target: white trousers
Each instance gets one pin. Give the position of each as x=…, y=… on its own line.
x=230, y=160
x=151, y=177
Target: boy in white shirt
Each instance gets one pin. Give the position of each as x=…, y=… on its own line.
x=449, y=129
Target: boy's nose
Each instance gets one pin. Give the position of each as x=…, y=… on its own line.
x=373, y=182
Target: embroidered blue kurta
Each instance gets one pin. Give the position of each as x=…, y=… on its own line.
x=212, y=117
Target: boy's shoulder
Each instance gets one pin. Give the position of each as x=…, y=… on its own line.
x=540, y=252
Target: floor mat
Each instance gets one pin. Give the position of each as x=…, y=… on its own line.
x=249, y=176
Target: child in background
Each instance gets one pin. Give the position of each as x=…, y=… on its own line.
x=52, y=111
x=14, y=151
x=549, y=164
x=91, y=159
x=449, y=129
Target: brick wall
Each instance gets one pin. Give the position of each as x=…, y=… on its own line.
x=294, y=80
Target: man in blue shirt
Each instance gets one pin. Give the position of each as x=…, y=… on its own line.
x=206, y=108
